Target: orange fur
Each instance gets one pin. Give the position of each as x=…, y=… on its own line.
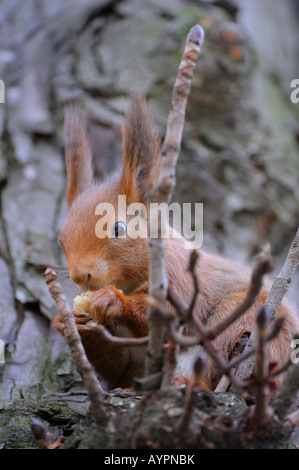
x=111, y=264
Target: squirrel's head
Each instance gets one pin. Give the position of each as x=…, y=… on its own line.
x=104, y=235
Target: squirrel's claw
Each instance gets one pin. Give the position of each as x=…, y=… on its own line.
x=106, y=307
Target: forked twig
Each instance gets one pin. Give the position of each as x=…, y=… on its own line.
x=95, y=391
x=192, y=269
x=274, y=299
x=175, y=338
x=205, y=336
x=202, y=333
x=106, y=336
x=233, y=363
x=224, y=383
x=162, y=193
x=264, y=265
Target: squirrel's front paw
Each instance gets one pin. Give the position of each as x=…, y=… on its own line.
x=107, y=306
x=81, y=318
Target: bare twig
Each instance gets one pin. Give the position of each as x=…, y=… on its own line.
x=169, y=366
x=192, y=265
x=171, y=353
x=253, y=381
x=264, y=265
x=280, y=370
x=73, y=339
x=261, y=413
x=106, y=336
x=162, y=193
x=274, y=299
x=203, y=335
x=221, y=363
x=76, y=396
x=223, y=383
x=233, y=363
x=272, y=335
x=182, y=340
x=283, y=280
x=203, y=338
x=183, y=310
x=194, y=389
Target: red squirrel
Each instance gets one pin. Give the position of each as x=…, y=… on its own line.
x=117, y=267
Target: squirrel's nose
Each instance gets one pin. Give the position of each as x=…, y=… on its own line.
x=80, y=276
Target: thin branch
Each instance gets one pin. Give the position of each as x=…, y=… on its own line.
x=274, y=299
x=224, y=383
x=169, y=366
x=253, y=381
x=261, y=414
x=264, y=265
x=182, y=340
x=233, y=363
x=193, y=390
x=245, y=354
x=171, y=352
x=106, y=336
x=276, y=371
x=176, y=300
x=219, y=361
x=203, y=337
x=162, y=193
x=228, y=369
x=192, y=265
x=95, y=391
x=284, y=279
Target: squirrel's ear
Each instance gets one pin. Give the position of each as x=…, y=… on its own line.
x=141, y=151
x=77, y=153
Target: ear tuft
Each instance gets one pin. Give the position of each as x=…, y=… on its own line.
x=141, y=150
x=77, y=153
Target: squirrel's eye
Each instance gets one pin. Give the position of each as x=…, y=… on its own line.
x=119, y=230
